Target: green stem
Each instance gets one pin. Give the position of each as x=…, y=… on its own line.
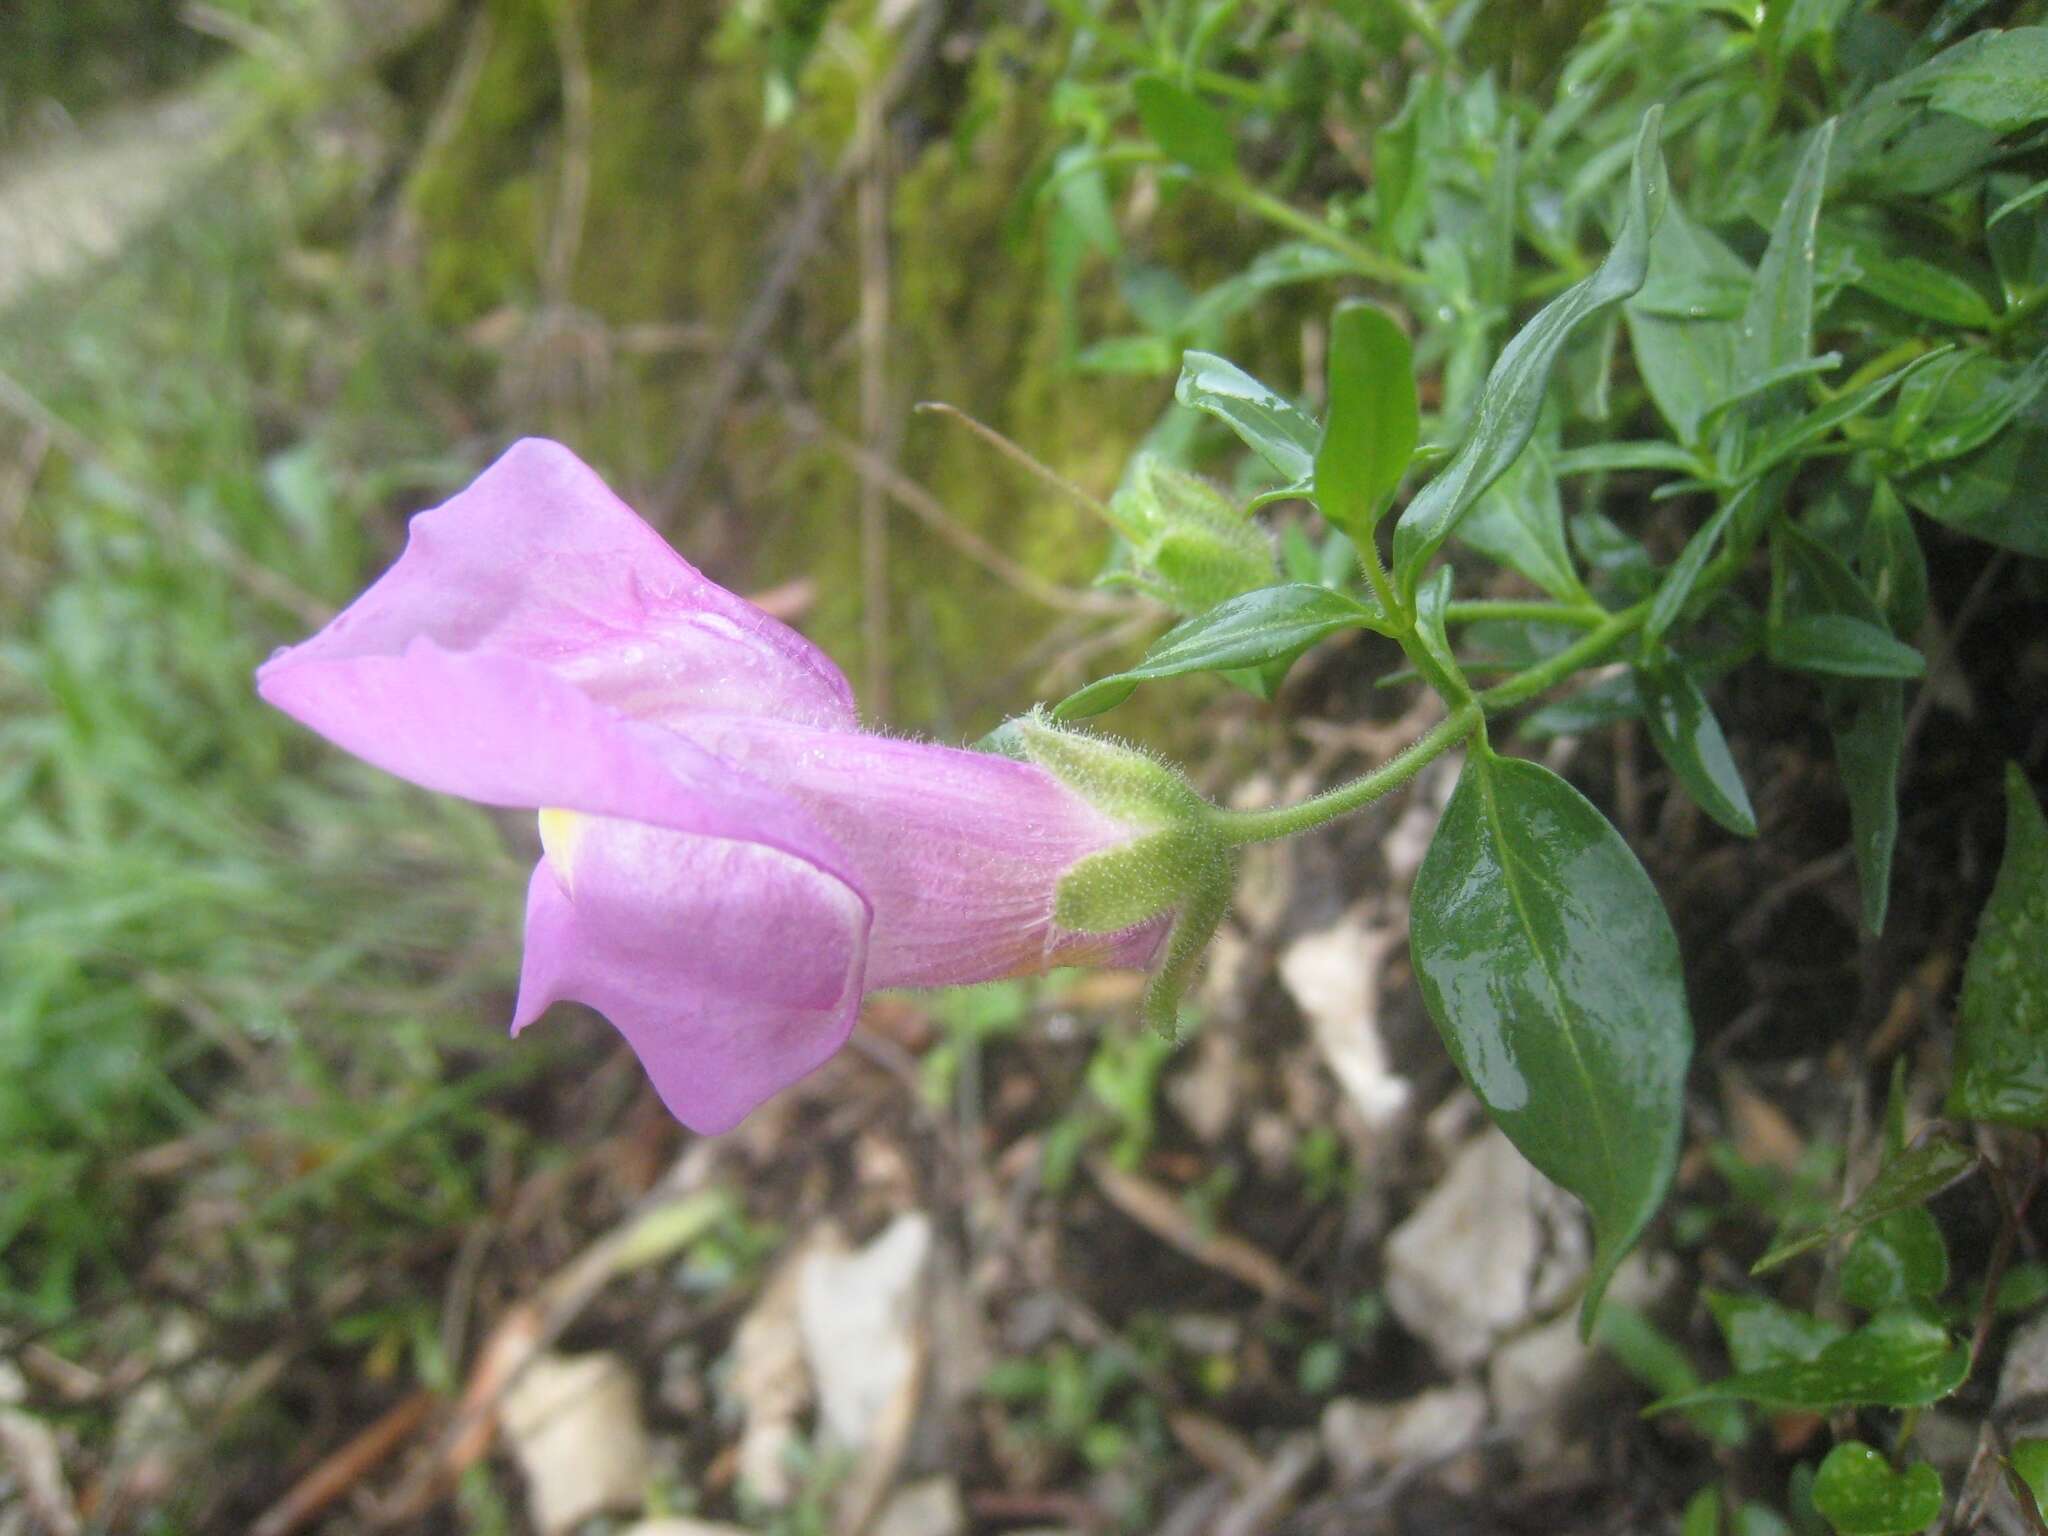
x=2015, y=313
x=1367, y=261
x=1482, y=609
x=1239, y=827
x=1581, y=652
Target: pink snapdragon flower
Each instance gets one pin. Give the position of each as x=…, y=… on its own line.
x=729, y=860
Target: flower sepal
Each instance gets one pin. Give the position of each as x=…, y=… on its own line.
x=1180, y=864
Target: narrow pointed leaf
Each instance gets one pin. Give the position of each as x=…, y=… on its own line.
x=1185, y=126
x=1512, y=397
x=1899, y=1360
x=2002, y=1031
x=1375, y=420
x=1270, y=424
x=1910, y=1179
x=1689, y=739
x=1776, y=329
x=1761, y=1333
x=1245, y=632
x=1842, y=646
x=1552, y=972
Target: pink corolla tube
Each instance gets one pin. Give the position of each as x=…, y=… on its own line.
x=729, y=861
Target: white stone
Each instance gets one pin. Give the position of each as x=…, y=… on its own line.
x=1333, y=975
x=1364, y=1439
x=771, y=1384
x=1494, y=1246
x=858, y=1317
x=574, y=1425
x=928, y=1508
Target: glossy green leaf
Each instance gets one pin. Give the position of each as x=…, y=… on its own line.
x=1891, y=562
x=1999, y=493
x=1677, y=582
x=1866, y=717
x=1270, y=424
x=1978, y=399
x=1551, y=971
x=1794, y=437
x=1859, y=1494
x=1919, y=287
x=1899, y=1360
x=1702, y=1514
x=2001, y=1070
x=1910, y=1179
x=1374, y=422
x=1842, y=646
x=1247, y=631
x=1512, y=397
x=1683, y=326
x=1761, y=1333
x=1895, y=1260
x=1519, y=523
x=1690, y=741
x=2019, y=202
x=1598, y=704
x=2029, y=1464
x=1776, y=329
x=1603, y=458
x=1186, y=127
x=1997, y=80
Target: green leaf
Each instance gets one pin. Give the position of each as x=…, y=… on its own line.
x=2029, y=1463
x=1816, y=424
x=2018, y=202
x=1776, y=329
x=1689, y=739
x=1899, y=1360
x=1652, y=1358
x=1998, y=494
x=1866, y=716
x=1910, y=1179
x=1601, y=458
x=1684, y=573
x=1918, y=287
x=2001, y=1071
x=1270, y=424
x=1247, y=631
x=1375, y=420
x=1842, y=646
x=1185, y=126
x=1281, y=266
x=1997, y=80
x=1606, y=702
x=1513, y=394
x=1761, y=1333
x=1683, y=324
x=1860, y=1495
x=1891, y=563
x=1519, y=523
x=1702, y=1514
x=1975, y=399
x=1551, y=971
x=1895, y=1260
